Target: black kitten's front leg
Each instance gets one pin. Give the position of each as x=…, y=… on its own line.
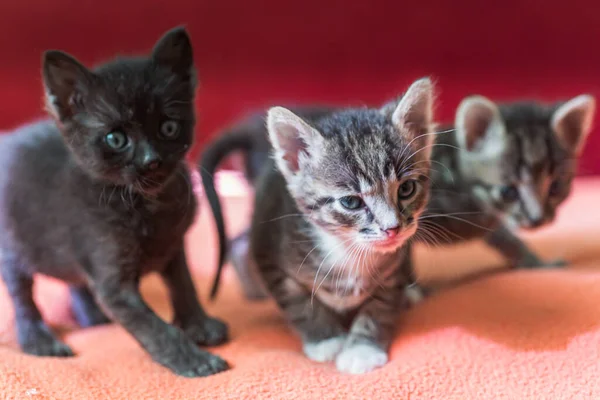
x=34, y=336
x=188, y=313
x=372, y=329
x=85, y=309
x=168, y=345
x=517, y=252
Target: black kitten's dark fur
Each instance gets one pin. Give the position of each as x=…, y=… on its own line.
x=102, y=196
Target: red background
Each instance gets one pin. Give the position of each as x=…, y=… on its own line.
x=255, y=53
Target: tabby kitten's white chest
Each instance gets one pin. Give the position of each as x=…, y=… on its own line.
x=343, y=277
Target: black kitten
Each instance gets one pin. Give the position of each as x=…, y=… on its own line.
x=103, y=196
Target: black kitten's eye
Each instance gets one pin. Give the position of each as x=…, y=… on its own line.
x=352, y=202
x=116, y=140
x=407, y=189
x=169, y=129
x=555, y=188
x=509, y=193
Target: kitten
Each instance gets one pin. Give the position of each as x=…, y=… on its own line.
x=505, y=167
x=472, y=193
x=331, y=223
x=102, y=196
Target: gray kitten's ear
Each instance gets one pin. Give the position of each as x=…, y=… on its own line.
x=479, y=125
x=572, y=122
x=292, y=138
x=413, y=116
x=66, y=82
x=174, y=50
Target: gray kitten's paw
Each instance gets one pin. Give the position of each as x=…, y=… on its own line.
x=325, y=350
x=414, y=294
x=557, y=263
x=360, y=358
x=191, y=362
x=207, y=331
x=38, y=340
x=540, y=264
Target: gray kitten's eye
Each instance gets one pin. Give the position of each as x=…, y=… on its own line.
x=352, y=202
x=116, y=140
x=169, y=129
x=509, y=193
x=407, y=189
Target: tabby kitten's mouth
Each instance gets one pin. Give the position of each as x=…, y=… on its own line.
x=388, y=245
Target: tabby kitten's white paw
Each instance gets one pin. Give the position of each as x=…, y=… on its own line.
x=360, y=358
x=325, y=350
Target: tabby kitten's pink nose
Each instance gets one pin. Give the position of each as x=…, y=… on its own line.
x=392, y=232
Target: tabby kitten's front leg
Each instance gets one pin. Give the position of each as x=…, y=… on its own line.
x=516, y=251
x=372, y=330
x=320, y=328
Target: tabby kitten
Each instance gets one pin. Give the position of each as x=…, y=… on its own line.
x=101, y=196
x=331, y=223
x=502, y=167
x=505, y=167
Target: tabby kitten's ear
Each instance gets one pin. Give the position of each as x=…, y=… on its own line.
x=174, y=51
x=66, y=83
x=293, y=140
x=413, y=116
x=479, y=125
x=572, y=122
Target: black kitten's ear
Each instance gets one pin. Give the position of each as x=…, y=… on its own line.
x=293, y=140
x=66, y=81
x=174, y=50
x=413, y=115
x=479, y=125
x=572, y=122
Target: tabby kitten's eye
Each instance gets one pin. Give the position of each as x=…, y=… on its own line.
x=352, y=202
x=169, y=129
x=509, y=193
x=116, y=140
x=407, y=189
x=555, y=188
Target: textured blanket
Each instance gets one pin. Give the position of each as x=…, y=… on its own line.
x=506, y=335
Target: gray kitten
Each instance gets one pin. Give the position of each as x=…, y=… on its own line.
x=331, y=223
x=101, y=195
x=507, y=166
x=502, y=167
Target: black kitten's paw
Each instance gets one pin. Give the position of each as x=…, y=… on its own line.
x=190, y=361
x=207, y=331
x=38, y=340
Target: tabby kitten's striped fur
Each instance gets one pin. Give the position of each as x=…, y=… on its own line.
x=500, y=167
x=506, y=166
x=332, y=220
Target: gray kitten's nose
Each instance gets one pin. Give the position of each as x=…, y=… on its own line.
x=536, y=222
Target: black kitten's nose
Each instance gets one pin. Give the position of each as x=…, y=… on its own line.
x=152, y=165
x=151, y=162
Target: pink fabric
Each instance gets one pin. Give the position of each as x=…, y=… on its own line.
x=511, y=335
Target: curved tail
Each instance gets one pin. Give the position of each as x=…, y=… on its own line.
x=213, y=155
